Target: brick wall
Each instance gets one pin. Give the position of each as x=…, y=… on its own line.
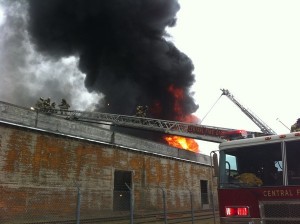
x=40, y=173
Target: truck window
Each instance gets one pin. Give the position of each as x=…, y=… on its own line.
x=293, y=164
x=231, y=166
x=251, y=166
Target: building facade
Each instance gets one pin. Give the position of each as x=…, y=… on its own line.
x=49, y=166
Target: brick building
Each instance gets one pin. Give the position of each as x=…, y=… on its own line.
x=46, y=162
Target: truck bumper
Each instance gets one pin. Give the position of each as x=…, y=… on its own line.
x=240, y=221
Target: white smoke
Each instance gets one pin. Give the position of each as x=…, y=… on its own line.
x=2, y=15
x=27, y=75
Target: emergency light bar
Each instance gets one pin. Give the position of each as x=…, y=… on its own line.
x=234, y=134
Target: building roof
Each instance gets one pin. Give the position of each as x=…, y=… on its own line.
x=31, y=119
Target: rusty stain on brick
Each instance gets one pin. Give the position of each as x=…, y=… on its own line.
x=18, y=152
x=51, y=164
x=52, y=154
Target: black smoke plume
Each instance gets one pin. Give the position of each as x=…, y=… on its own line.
x=123, y=50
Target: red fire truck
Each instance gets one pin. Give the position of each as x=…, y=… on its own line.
x=259, y=180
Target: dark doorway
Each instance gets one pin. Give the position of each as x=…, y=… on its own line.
x=204, y=192
x=121, y=191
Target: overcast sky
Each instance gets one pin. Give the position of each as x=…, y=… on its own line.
x=251, y=48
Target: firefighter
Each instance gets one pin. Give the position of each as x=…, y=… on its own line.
x=63, y=106
x=42, y=99
x=141, y=111
x=40, y=103
x=47, y=103
x=145, y=111
x=296, y=127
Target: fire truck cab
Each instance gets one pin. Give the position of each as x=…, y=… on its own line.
x=259, y=180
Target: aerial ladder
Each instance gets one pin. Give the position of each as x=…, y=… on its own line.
x=263, y=126
x=189, y=130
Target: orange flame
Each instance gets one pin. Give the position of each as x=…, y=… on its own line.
x=178, y=141
x=182, y=143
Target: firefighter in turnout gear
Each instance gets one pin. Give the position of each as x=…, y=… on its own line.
x=63, y=106
x=141, y=111
x=45, y=105
x=296, y=127
x=40, y=103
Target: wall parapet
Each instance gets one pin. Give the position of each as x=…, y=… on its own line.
x=27, y=118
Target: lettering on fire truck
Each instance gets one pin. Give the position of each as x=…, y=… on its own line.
x=204, y=131
x=282, y=193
